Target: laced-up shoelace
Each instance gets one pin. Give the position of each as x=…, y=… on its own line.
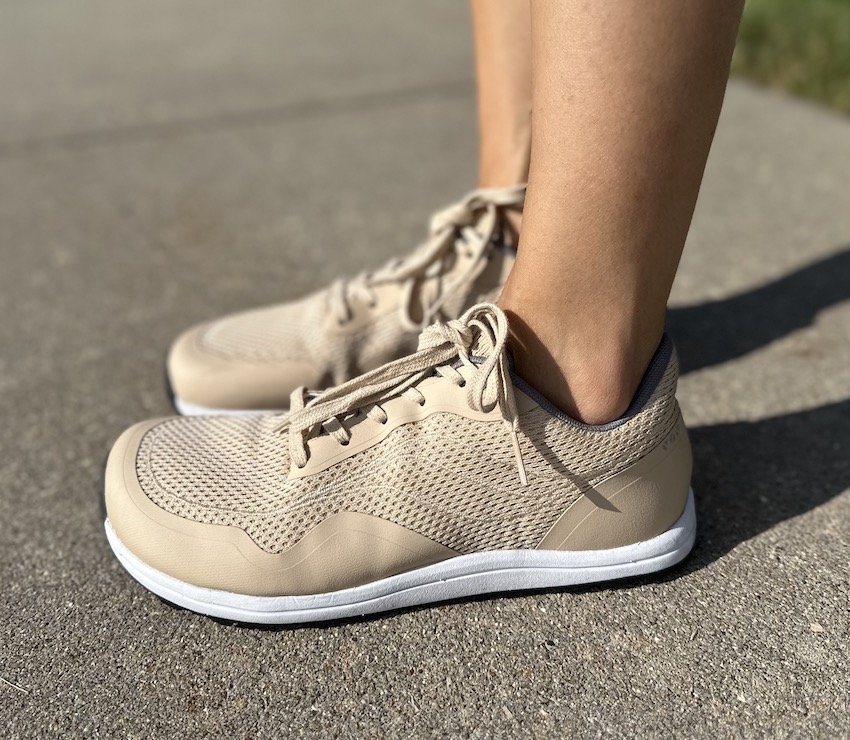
x=466, y=227
x=440, y=346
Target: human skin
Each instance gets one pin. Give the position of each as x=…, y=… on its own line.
x=502, y=33
x=625, y=101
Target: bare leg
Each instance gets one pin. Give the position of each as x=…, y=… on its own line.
x=625, y=102
x=502, y=30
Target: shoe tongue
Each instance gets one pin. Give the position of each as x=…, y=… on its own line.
x=425, y=292
x=504, y=236
x=428, y=289
x=480, y=350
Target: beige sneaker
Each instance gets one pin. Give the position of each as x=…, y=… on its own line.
x=253, y=360
x=437, y=476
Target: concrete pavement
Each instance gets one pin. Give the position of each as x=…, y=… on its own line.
x=161, y=163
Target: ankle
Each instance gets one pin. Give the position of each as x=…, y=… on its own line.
x=591, y=378
x=594, y=392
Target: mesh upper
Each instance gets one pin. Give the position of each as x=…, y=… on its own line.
x=452, y=479
x=296, y=331
x=266, y=334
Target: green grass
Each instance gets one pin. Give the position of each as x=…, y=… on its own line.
x=802, y=46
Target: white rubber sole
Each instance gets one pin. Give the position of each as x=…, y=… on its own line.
x=463, y=576
x=192, y=409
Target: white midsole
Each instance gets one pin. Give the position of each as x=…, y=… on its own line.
x=458, y=577
x=193, y=409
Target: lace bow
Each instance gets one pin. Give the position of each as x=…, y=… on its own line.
x=483, y=327
x=467, y=226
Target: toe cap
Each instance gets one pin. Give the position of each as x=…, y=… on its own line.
x=206, y=555
x=207, y=379
x=344, y=550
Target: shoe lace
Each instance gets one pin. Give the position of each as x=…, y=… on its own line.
x=441, y=346
x=466, y=227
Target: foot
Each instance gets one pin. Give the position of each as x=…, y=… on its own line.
x=437, y=476
x=252, y=361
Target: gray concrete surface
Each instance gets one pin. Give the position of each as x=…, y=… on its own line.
x=164, y=162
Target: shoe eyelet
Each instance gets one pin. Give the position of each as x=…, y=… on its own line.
x=346, y=443
x=462, y=383
x=422, y=402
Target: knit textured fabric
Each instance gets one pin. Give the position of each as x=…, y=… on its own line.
x=267, y=334
x=431, y=283
x=447, y=477
x=293, y=331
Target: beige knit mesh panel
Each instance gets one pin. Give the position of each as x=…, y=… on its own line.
x=293, y=331
x=346, y=356
x=449, y=478
x=269, y=334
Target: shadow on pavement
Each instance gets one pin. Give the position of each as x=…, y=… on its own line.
x=712, y=333
x=750, y=476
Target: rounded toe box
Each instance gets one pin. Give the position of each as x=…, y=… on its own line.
x=204, y=380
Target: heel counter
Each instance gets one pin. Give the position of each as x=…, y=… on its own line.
x=636, y=504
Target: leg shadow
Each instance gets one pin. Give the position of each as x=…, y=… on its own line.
x=750, y=476
x=716, y=332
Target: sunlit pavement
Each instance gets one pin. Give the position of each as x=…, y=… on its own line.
x=168, y=163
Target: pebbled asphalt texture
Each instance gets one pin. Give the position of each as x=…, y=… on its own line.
x=162, y=163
